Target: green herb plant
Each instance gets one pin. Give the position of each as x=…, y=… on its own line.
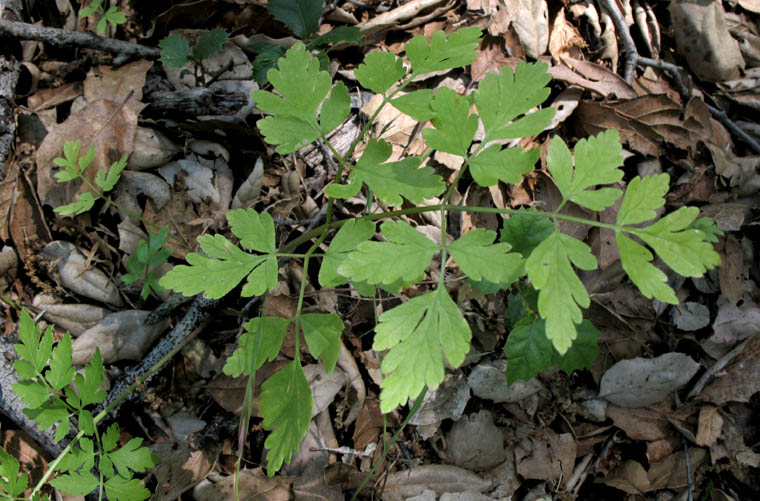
x=532, y=256
x=176, y=52
x=112, y=16
x=302, y=17
x=148, y=255
x=54, y=394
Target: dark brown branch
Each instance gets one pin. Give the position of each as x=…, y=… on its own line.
x=86, y=39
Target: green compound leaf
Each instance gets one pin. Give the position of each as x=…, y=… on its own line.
x=443, y=54
x=597, y=161
x=175, y=51
x=322, y=333
x=301, y=16
x=351, y=234
x=77, y=483
x=35, y=348
x=286, y=405
x=106, y=182
x=406, y=255
x=454, y=125
x=89, y=384
x=82, y=455
x=209, y=43
x=560, y=290
x=524, y=232
x=349, y=190
x=289, y=134
x=528, y=349
x=254, y=349
x=502, y=97
x=32, y=393
x=508, y=165
x=49, y=414
x=416, y=104
x=393, y=180
x=642, y=197
x=84, y=203
x=11, y=483
x=133, y=457
x=708, y=226
x=126, y=489
x=583, y=352
x=255, y=231
x=686, y=250
x=223, y=271
x=302, y=88
x=61, y=371
x=379, y=71
x=481, y=259
x=637, y=263
x=418, y=334
x=335, y=109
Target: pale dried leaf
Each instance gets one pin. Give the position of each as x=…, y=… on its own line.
x=440, y=478
x=709, y=426
x=180, y=469
x=74, y=318
x=640, y=382
x=475, y=442
x=531, y=22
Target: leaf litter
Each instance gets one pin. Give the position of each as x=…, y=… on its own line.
x=541, y=430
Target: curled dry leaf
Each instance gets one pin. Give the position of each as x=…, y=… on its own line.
x=133, y=184
x=180, y=469
x=445, y=402
x=208, y=148
x=74, y=318
x=73, y=274
x=196, y=177
x=249, y=191
x=640, y=382
x=120, y=336
x=151, y=149
x=324, y=386
x=8, y=265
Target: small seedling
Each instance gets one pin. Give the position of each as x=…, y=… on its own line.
x=144, y=261
x=54, y=394
x=176, y=52
x=112, y=16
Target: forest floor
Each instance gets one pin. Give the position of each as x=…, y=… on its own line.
x=679, y=83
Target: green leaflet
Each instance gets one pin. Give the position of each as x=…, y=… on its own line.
x=286, y=405
x=252, y=352
x=227, y=265
x=481, y=259
x=459, y=49
x=416, y=104
x=454, y=125
x=597, y=161
x=530, y=352
x=322, y=333
x=561, y=292
x=686, y=251
x=379, y=71
x=301, y=16
x=418, y=334
x=348, y=237
x=405, y=256
x=524, y=232
x=392, y=180
x=335, y=109
x=501, y=97
x=642, y=198
x=302, y=87
x=509, y=165
x=637, y=263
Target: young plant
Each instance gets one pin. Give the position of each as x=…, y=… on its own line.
x=112, y=16
x=54, y=394
x=144, y=261
x=302, y=17
x=427, y=332
x=75, y=166
x=149, y=255
x=176, y=52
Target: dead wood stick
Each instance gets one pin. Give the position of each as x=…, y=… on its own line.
x=86, y=39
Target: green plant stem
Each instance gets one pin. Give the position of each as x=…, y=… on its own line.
x=394, y=438
x=454, y=208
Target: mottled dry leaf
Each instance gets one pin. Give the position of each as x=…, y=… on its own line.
x=740, y=380
x=440, y=478
x=531, y=22
x=253, y=485
x=180, y=469
x=640, y=382
x=629, y=477
x=709, y=426
x=646, y=423
x=123, y=335
x=546, y=456
x=475, y=442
